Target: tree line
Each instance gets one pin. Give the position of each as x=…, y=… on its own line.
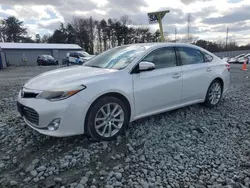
x=100, y=35
x=104, y=34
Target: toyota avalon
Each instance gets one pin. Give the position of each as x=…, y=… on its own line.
x=120, y=85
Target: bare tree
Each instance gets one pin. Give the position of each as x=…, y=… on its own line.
x=125, y=20
x=45, y=39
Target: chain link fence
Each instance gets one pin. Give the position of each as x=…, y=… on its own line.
x=231, y=53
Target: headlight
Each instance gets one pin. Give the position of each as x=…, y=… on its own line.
x=60, y=93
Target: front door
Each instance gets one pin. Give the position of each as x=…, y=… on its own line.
x=158, y=89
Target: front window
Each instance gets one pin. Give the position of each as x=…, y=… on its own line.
x=162, y=58
x=116, y=58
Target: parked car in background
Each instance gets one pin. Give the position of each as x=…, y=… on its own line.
x=235, y=59
x=46, y=60
x=121, y=85
x=241, y=60
x=226, y=59
x=78, y=57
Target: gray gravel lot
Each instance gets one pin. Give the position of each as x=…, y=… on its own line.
x=193, y=147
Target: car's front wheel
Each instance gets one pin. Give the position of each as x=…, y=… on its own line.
x=107, y=118
x=214, y=93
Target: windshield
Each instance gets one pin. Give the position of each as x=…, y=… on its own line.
x=83, y=54
x=116, y=58
x=48, y=57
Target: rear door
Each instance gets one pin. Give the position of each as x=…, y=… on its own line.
x=197, y=74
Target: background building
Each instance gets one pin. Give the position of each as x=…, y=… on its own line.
x=27, y=53
x=3, y=59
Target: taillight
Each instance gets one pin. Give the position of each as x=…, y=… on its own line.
x=228, y=67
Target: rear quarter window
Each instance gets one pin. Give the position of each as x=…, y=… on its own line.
x=207, y=57
x=71, y=54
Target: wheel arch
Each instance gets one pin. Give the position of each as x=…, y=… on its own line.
x=111, y=94
x=221, y=81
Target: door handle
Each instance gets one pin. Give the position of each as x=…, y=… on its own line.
x=208, y=69
x=176, y=75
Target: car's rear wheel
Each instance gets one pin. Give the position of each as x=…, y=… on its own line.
x=107, y=118
x=214, y=94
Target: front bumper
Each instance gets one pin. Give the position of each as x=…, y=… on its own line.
x=71, y=111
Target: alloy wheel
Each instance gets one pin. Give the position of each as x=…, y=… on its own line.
x=215, y=93
x=109, y=120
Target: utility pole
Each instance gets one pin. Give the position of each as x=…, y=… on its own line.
x=175, y=33
x=226, y=38
x=189, y=20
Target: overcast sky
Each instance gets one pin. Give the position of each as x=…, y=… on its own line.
x=210, y=17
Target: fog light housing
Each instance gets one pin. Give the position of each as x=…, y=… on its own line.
x=54, y=125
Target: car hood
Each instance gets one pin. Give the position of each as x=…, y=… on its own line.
x=64, y=77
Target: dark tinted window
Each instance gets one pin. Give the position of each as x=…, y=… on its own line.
x=162, y=58
x=207, y=57
x=80, y=55
x=190, y=56
x=74, y=55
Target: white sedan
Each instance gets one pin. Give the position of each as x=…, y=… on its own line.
x=121, y=85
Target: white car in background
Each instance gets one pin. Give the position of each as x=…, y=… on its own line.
x=122, y=85
x=78, y=57
x=235, y=59
x=241, y=60
x=225, y=59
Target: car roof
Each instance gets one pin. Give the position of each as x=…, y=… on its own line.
x=162, y=44
x=169, y=44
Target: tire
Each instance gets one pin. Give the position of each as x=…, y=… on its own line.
x=215, y=90
x=109, y=127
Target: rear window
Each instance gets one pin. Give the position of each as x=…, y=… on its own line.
x=190, y=56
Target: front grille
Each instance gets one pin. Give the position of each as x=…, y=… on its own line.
x=29, y=95
x=28, y=113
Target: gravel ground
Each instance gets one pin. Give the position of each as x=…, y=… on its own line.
x=193, y=147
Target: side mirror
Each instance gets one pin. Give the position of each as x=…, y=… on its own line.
x=146, y=66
